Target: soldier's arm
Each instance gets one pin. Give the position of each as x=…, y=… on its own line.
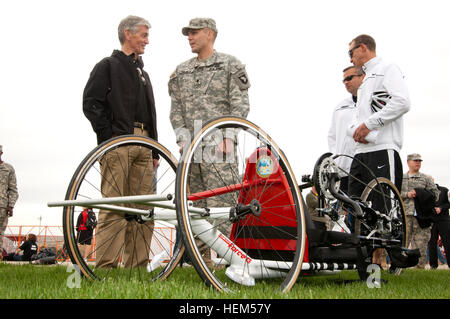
x=176, y=111
x=239, y=84
x=13, y=193
x=404, y=192
x=238, y=90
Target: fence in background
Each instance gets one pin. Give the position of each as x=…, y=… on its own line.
x=53, y=236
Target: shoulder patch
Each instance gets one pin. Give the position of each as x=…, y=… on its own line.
x=241, y=79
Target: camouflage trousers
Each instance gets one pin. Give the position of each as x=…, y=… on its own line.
x=418, y=239
x=3, y=224
x=210, y=176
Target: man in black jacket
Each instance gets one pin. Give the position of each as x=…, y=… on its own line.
x=441, y=226
x=118, y=100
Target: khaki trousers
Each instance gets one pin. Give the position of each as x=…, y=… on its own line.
x=127, y=170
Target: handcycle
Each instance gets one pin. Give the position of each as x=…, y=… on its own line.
x=244, y=224
x=378, y=219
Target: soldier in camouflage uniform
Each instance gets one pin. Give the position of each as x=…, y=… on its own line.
x=210, y=85
x=418, y=237
x=8, y=195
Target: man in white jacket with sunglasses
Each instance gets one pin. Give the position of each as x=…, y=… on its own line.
x=383, y=99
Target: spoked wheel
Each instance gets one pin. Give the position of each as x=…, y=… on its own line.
x=127, y=243
x=239, y=210
x=382, y=196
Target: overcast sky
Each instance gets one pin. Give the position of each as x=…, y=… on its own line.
x=294, y=52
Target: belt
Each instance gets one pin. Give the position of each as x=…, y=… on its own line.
x=140, y=125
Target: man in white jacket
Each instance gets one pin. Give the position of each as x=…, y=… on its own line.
x=339, y=143
x=377, y=129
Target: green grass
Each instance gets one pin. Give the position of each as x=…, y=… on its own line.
x=51, y=282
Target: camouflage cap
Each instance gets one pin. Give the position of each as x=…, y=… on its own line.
x=200, y=23
x=414, y=157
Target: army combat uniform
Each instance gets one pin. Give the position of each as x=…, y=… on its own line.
x=201, y=91
x=417, y=237
x=8, y=195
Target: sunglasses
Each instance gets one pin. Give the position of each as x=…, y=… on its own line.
x=350, y=52
x=349, y=78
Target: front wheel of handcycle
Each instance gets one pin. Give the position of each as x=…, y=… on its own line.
x=239, y=208
x=129, y=242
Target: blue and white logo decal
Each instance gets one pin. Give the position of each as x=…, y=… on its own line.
x=264, y=166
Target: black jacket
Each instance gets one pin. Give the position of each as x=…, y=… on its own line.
x=443, y=204
x=29, y=248
x=424, y=204
x=111, y=94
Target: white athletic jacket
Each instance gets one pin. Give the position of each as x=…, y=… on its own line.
x=387, y=124
x=338, y=141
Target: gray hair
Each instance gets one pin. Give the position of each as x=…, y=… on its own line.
x=131, y=23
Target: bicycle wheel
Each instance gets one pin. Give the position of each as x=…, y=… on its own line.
x=241, y=208
x=382, y=196
x=133, y=239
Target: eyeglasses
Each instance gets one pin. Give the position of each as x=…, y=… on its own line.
x=350, y=77
x=350, y=52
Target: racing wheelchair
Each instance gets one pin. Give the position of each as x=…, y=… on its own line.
x=245, y=222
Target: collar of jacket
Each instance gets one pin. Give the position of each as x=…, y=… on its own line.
x=128, y=58
x=416, y=175
x=370, y=64
x=210, y=60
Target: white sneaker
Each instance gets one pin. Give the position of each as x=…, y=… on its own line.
x=157, y=261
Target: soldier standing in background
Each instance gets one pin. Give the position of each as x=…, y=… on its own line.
x=210, y=85
x=412, y=180
x=8, y=195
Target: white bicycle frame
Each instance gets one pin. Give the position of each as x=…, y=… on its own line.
x=242, y=268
